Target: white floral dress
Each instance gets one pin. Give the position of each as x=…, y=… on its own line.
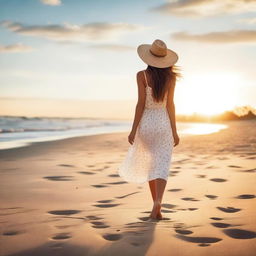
x=149, y=157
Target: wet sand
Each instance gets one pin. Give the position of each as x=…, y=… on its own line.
x=66, y=198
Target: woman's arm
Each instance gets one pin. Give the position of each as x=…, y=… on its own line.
x=139, y=106
x=171, y=111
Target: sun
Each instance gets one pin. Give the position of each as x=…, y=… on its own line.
x=209, y=93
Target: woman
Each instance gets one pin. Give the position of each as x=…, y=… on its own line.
x=153, y=133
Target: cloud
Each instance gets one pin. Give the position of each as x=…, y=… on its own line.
x=51, y=2
x=112, y=47
x=201, y=8
x=70, y=32
x=232, y=36
x=15, y=48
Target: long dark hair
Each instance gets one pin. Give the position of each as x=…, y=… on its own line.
x=160, y=78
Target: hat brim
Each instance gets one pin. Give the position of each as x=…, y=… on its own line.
x=168, y=60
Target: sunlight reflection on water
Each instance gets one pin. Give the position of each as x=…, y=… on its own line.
x=202, y=128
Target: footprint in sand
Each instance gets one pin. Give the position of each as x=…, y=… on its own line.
x=203, y=244
x=192, y=209
x=249, y=170
x=245, y=196
x=198, y=239
x=87, y=173
x=216, y=218
x=167, y=211
x=13, y=232
x=105, y=201
x=99, y=224
x=61, y=236
x=113, y=175
x=234, y=166
x=112, y=237
x=64, y=212
x=174, y=189
x=189, y=199
x=183, y=231
x=229, y=209
x=168, y=206
x=93, y=217
x=105, y=205
x=239, y=233
x=59, y=178
x=220, y=225
x=66, y=165
x=218, y=180
x=211, y=196
x=116, y=183
x=99, y=186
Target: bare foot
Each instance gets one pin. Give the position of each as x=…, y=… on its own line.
x=159, y=216
x=156, y=210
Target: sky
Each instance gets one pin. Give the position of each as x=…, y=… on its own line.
x=75, y=52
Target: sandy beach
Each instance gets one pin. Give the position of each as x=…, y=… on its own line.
x=65, y=198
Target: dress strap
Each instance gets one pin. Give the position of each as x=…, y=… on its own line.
x=145, y=77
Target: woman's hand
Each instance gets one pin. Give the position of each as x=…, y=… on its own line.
x=176, y=139
x=131, y=137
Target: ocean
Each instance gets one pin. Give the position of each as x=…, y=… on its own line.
x=22, y=131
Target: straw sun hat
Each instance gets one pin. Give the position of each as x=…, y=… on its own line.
x=157, y=54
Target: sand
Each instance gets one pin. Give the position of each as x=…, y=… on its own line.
x=66, y=198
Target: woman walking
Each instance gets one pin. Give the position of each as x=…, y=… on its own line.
x=153, y=133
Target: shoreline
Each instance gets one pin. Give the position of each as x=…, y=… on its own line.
x=190, y=130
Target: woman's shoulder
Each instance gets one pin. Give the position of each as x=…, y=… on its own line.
x=140, y=74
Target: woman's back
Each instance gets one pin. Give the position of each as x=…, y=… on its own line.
x=150, y=102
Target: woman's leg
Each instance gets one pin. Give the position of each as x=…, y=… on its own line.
x=160, y=186
x=152, y=185
x=157, y=187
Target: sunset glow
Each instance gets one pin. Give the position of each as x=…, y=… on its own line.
x=68, y=53
x=210, y=93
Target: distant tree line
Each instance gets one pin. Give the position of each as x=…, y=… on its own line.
x=239, y=113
